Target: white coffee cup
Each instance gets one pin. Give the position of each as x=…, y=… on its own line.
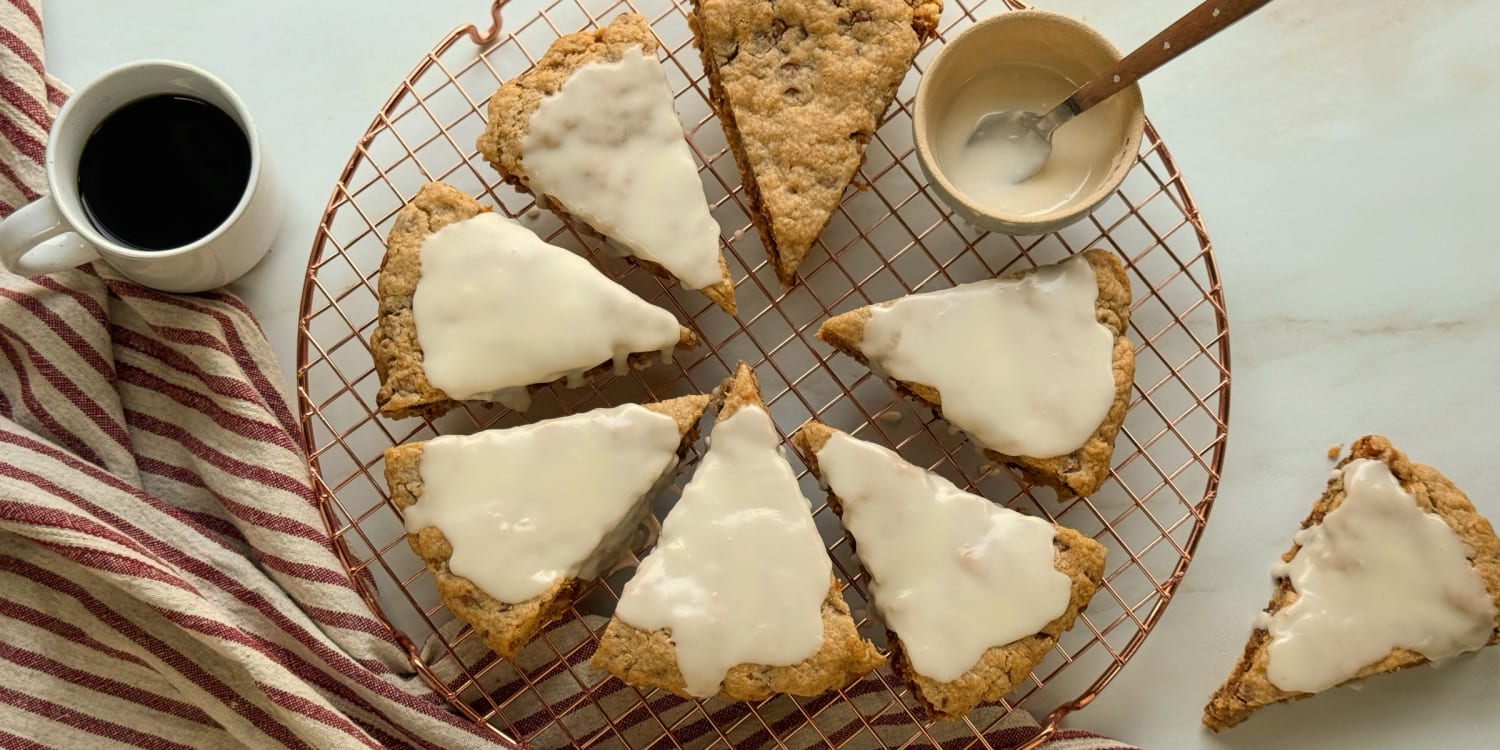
x=54, y=233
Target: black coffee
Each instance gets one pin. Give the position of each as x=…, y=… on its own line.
x=163, y=172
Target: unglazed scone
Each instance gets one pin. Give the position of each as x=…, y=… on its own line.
x=1080, y=470
x=506, y=626
x=684, y=575
x=988, y=672
x=405, y=386
x=800, y=87
x=1252, y=686
x=590, y=130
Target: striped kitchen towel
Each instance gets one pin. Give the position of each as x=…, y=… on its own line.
x=28, y=99
x=166, y=577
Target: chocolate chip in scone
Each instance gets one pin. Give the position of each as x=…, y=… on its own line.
x=761, y=43
x=727, y=52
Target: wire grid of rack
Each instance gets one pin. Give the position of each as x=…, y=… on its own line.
x=889, y=238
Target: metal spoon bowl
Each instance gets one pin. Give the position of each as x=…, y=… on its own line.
x=1025, y=138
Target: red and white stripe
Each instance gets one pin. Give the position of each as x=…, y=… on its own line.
x=166, y=579
x=28, y=99
x=165, y=576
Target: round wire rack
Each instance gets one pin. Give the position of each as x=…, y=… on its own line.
x=888, y=238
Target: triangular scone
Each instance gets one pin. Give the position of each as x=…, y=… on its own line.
x=509, y=312
x=1250, y=686
x=591, y=131
x=891, y=510
x=582, y=484
x=800, y=87
x=1077, y=470
x=739, y=571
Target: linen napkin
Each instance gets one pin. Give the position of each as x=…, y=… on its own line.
x=166, y=578
x=28, y=99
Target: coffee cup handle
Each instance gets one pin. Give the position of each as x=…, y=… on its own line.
x=35, y=240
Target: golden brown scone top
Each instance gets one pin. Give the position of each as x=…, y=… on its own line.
x=805, y=83
x=512, y=106
x=1000, y=668
x=1084, y=470
x=649, y=659
x=739, y=390
x=504, y=627
x=1248, y=687
x=394, y=347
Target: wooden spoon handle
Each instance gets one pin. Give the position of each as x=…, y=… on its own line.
x=1199, y=24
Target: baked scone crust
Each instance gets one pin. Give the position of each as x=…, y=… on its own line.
x=649, y=659
x=404, y=388
x=1248, y=688
x=800, y=87
x=1083, y=471
x=1000, y=668
x=503, y=627
x=511, y=107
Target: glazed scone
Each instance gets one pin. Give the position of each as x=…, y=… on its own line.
x=1458, y=592
x=591, y=131
x=1072, y=428
x=549, y=339
x=800, y=87
x=973, y=619
x=738, y=599
x=533, y=512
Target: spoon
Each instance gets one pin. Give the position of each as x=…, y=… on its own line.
x=1028, y=135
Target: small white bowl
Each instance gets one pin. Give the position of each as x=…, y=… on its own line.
x=1025, y=37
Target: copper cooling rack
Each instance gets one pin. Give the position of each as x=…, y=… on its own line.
x=889, y=238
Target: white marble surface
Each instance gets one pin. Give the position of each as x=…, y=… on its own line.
x=1343, y=154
